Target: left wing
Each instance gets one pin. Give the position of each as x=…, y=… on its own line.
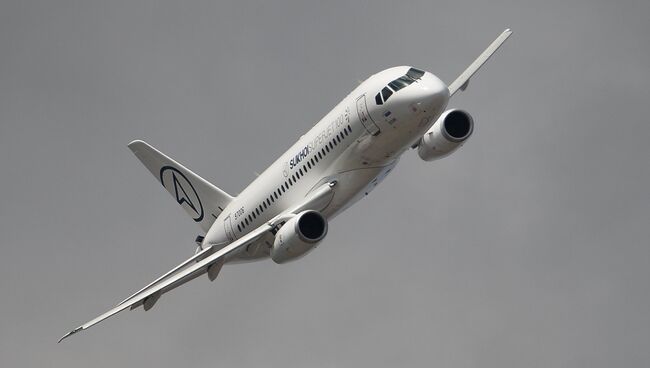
x=463, y=80
x=210, y=263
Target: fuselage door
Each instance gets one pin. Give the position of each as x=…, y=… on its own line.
x=364, y=116
x=227, y=225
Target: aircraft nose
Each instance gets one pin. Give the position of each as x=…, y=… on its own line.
x=432, y=93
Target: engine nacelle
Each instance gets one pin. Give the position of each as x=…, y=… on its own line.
x=446, y=135
x=298, y=236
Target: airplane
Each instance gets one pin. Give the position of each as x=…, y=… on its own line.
x=284, y=213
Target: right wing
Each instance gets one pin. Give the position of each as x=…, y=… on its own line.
x=155, y=290
x=209, y=261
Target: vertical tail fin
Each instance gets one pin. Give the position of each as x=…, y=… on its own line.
x=202, y=201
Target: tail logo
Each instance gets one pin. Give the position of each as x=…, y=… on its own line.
x=178, y=184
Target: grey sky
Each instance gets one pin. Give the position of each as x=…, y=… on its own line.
x=527, y=248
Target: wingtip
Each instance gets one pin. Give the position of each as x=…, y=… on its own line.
x=70, y=333
x=136, y=142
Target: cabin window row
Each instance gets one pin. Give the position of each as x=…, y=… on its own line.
x=302, y=171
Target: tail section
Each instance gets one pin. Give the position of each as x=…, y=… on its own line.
x=202, y=201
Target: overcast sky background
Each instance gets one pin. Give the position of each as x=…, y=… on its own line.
x=527, y=248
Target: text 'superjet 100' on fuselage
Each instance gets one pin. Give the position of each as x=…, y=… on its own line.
x=354, y=146
x=284, y=213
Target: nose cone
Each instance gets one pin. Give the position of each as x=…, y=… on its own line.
x=432, y=93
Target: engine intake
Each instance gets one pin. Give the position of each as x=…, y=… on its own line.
x=446, y=135
x=298, y=236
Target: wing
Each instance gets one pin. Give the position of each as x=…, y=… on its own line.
x=208, y=260
x=463, y=80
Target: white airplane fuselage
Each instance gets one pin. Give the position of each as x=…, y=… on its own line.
x=354, y=146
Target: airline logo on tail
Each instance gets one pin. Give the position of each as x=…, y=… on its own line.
x=177, y=183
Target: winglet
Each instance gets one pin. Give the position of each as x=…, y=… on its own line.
x=463, y=80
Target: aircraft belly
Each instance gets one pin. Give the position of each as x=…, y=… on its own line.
x=257, y=251
x=355, y=184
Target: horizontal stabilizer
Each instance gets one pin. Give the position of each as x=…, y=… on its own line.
x=200, y=199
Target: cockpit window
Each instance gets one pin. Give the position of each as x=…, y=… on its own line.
x=398, y=84
x=411, y=76
x=386, y=92
x=414, y=73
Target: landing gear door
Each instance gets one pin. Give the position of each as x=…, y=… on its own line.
x=227, y=225
x=364, y=116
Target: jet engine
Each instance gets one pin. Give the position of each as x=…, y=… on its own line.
x=298, y=236
x=446, y=135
